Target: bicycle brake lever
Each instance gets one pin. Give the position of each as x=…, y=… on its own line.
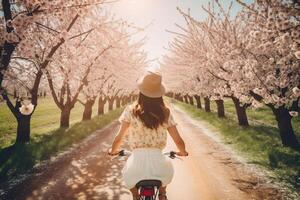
x=172, y=154
x=121, y=153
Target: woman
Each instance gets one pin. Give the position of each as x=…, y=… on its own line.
x=145, y=124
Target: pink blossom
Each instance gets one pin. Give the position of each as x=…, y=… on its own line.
x=296, y=91
x=293, y=113
x=297, y=54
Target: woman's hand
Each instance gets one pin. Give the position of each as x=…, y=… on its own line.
x=118, y=139
x=183, y=153
x=110, y=153
x=178, y=141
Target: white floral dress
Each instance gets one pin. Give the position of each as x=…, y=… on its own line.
x=146, y=161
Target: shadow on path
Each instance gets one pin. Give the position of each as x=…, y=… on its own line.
x=83, y=172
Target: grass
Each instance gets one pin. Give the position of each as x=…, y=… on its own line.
x=260, y=143
x=262, y=116
x=44, y=120
x=18, y=159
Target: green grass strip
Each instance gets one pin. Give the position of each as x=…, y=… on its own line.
x=44, y=120
x=19, y=159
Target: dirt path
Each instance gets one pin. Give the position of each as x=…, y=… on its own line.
x=212, y=171
x=84, y=172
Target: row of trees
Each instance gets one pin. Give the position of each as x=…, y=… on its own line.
x=74, y=48
x=252, y=58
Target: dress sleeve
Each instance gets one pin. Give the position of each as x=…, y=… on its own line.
x=126, y=115
x=171, y=121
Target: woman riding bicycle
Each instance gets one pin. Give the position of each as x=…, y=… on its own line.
x=145, y=124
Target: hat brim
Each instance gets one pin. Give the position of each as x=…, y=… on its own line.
x=152, y=94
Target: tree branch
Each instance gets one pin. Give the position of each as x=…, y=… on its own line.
x=51, y=86
x=78, y=100
x=9, y=104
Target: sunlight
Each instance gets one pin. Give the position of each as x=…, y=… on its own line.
x=179, y=99
x=135, y=7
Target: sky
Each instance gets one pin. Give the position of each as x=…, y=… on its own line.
x=161, y=15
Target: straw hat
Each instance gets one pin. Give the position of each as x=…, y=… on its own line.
x=151, y=85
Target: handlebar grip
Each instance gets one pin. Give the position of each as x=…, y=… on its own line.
x=122, y=153
x=172, y=154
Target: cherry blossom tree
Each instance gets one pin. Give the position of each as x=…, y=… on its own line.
x=19, y=15
x=78, y=68
x=34, y=44
x=126, y=66
x=113, y=85
x=36, y=60
x=272, y=62
x=188, y=50
x=252, y=58
x=93, y=87
x=68, y=80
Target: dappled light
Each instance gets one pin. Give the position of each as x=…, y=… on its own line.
x=91, y=177
x=82, y=82
x=84, y=172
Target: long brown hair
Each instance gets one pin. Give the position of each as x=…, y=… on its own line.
x=151, y=111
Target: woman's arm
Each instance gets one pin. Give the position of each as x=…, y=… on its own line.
x=118, y=139
x=178, y=141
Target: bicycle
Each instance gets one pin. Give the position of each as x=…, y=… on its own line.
x=148, y=189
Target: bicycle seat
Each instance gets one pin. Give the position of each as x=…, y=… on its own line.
x=147, y=183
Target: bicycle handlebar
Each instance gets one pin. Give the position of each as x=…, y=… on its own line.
x=171, y=154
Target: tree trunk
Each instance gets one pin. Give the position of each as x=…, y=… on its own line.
x=283, y=118
x=23, y=129
x=124, y=100
x=128, y=99
x=23, y=121
x=111, y=104
x=180, y=98
x=7, y=48
x=186, y=99
x=101, y=104
x=207, y=104
x=220, y=108
x=191, y=99
x=118, y=102
x=15, y=93
x=198, y=101
x=176, y=96
x=88, y=110
x=65, y=117
x=170, y=94
x=131, y=99
x=173, y=94
x=241, y=112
